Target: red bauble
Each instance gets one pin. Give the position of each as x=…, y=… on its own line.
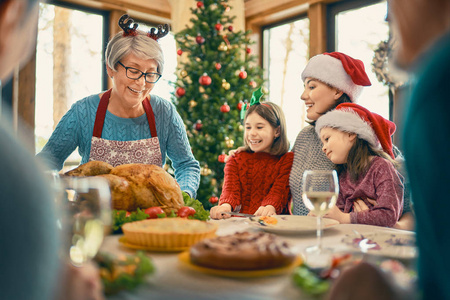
x=252, y=84
x=240, y=105
x=222, y=157
x=230, y=28
x=199, y=39
x=218, y=27
x=204, y=79
x=213, y=199
x=180, y=91
x=218, y=66
x=179, y=51
x=198, y=125
x=200, y=4
x=248, y=50
x=242, y=74
x=225, y=108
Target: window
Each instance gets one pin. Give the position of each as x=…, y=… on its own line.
x=359, y=27
x=286, y=52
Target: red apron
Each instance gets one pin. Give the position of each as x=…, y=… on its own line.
x=146, y=151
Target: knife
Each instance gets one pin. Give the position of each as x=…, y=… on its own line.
x=237, y=214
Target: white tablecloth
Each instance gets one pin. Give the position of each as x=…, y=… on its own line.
x=172, y=281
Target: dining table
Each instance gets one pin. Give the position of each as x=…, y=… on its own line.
x=173, y=279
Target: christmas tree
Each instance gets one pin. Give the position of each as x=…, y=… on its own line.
x=216, y=76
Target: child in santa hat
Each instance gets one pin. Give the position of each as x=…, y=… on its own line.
x=359, y=143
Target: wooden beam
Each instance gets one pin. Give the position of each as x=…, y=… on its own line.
x=317, y=28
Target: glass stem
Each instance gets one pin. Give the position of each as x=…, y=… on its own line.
x=319, y=232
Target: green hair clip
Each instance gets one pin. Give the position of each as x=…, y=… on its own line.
x=256, y=98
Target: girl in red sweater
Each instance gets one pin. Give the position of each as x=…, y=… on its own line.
x=257, y=179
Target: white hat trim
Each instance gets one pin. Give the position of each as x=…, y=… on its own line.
x=330, y=70
x=348, y=121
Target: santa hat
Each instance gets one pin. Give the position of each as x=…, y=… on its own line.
x=354, y=118
x=340, y=71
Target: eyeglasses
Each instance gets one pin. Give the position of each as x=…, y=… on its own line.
x=135, y=74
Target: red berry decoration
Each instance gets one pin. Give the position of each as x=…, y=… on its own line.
x=180, y=91
x=179, y=51
x=225, y=108
x=242, y=74
x=200, y=4
x=199, y=39
x=218, y=66
x=248, y=50
x=198, y=125
x=213, y=199
x=204, y=79
x=252, y=84
x=218, y=27
x=240, y=105
x=230, y=28
x=222, y=157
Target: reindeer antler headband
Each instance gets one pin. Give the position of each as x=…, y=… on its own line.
x=130, y=28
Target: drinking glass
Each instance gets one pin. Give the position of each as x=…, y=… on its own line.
x=86, y=216
x=320, y=191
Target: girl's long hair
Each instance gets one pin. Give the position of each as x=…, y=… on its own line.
x=273, y=114
x=359, y=158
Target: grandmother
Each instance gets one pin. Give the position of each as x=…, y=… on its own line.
x=126, y=124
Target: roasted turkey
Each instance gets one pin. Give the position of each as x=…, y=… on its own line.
x=136, y=185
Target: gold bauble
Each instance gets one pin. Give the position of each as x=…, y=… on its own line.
x=201, y=89
x=205, y=171
x=213, y=182
x=183, y=73
x=241, y=127
x=229, y=142
x=225, y=84
x=222, y=47
x=205, y=96
x=265, y=90
x=192, y=103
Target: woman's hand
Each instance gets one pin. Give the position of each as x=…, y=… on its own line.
x=216, y=211
x=267, y=210
x=232, y=153
x=359, y=205
x=337, y=214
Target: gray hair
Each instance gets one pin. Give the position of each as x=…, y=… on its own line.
x=141, y=45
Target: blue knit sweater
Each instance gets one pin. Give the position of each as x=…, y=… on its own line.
x=76, y=127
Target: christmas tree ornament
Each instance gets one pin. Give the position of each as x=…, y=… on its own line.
x=218, y=66
x=242, y=74
x=241, y=127
x=252, y=83
x=205, y=171
x=264, y=90
x=229, y=142
x=230, y=28
x=213, y=199
x=205, y=96
x=180, y=91
x=218, y=27
x=227, y=8
x=213, y=181
x=192, y=103
x=248, y=50
x=222, y=157
x=213, y=6
x=205, y=79
x=199, y=39
x=201, y=89
x=225, y=108
x=240, y=104
x=183, y=73
x=222, y=47
x=198, y=125
x=179, y=52
x=226, y=85
x=200, y=4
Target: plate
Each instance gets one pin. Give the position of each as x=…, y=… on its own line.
x=185, y=261
x=399, y=245
x=288, y=224
x=123, y=241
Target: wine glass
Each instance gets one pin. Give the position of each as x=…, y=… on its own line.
x=320, y=191
x=86, y=218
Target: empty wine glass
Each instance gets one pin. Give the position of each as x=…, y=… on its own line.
x=86, y=218
x=320, y=191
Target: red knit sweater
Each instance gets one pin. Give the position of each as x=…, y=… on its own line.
x=257, y=179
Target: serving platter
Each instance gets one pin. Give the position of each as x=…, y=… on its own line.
x=290, y=224
x=185, y=261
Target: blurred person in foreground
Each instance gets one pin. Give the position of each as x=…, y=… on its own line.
x=29, y=240
x=423, y=51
